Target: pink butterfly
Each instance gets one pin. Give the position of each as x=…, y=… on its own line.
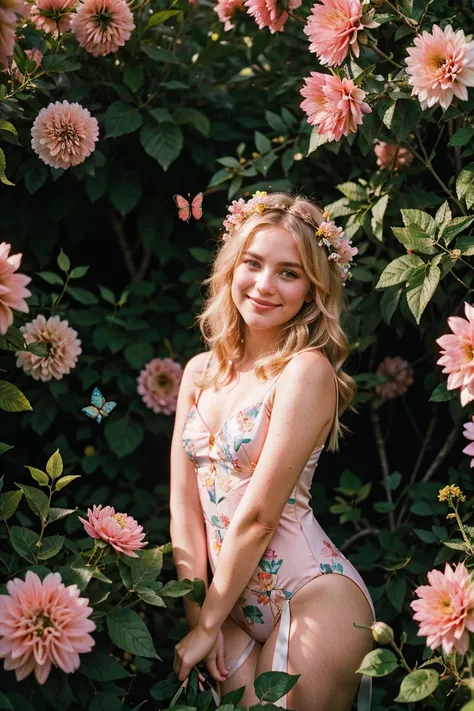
x=185, y=209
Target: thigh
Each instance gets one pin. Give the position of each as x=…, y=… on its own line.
x=325, y=647
x=236, y=640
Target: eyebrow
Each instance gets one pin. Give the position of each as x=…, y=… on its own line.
x=279, y=264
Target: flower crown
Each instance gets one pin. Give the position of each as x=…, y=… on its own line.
x=330, y=236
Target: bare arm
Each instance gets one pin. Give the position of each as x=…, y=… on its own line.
x=187, y=528
x=303, y=408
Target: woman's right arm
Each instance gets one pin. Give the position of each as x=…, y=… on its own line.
x=188, y=535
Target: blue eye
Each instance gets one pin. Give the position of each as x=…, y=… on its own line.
x=251, y=262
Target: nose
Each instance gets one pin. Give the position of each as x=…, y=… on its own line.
x=264, y=282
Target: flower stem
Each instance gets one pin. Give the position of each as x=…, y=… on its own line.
x=402, y=658
x=386, y=57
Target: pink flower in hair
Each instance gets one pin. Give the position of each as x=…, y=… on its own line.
x=458, y=354
x=121, y=531
x=332, y=29
x=399, y=374
x=445, y=609
x=52, y=16
x=102, y=26
x=13, y=291
x=226, y=9
x=440, y=66
x=389, y=155
x=43, y=624
x=270, y=13
x=335, y=105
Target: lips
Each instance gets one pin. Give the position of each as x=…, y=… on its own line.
x=262, y=303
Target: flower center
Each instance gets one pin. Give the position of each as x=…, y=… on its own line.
x=42, y=623
x=163, y=382
x=66, y=133
x=121, y=519
x=468, y=351
x=103, y=20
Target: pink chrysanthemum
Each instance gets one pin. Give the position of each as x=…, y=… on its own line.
x=13, y=290
x=102, y=26
x=469, y=434
x=52, y=16
x=64, y=134
x=332, y=29
x=400, y=376
x=440, y=66
x=121, y=531
x=10, y=10
x=226, y=10
x=336, y=106
x=158, y=384
x=43, y=624
x=270, y=13
x=458, y=354
x=34, y=55
x=389, y=155
x=445, y=609
x=64, y=348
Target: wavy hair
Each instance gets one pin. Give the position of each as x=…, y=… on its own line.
x=316, y=325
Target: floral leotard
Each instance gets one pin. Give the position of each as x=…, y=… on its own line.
x=299, y=550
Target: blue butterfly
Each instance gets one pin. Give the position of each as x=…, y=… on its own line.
x=99, y=407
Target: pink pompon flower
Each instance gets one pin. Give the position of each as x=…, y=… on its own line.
x=270, y=13
x=332, y=29
x=336, y=106
x=445, y=609
x=121, y=531
x=458, y=354
x=64, y=134
x=102, y=26
x=13, y=291
x=52, y=16
x=158, y=384
x=440, y=66
x=63, y=346
x=400, y=376
x=10, y=10
x=33, y=55
x=43, y=624
x=390, y=155
x=469, y=434
x=226, y=9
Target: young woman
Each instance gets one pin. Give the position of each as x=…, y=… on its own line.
x=254, y=414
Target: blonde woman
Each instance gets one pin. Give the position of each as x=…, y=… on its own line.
x=254, y=415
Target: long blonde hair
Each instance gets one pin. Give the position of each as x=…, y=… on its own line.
x=317, y=324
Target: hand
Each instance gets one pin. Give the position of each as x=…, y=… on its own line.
x=194, y=648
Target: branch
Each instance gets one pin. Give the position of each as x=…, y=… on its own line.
x=443, y=452
x=355, y=537
x=144, y=264
x=117, y=223
x=383, y=460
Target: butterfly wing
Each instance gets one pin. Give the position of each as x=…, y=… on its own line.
x=97, y=398
x=196, y=206
x=108, y=407
x=184, y=208
x=91, y=412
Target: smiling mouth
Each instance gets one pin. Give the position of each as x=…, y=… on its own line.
x=259, y=303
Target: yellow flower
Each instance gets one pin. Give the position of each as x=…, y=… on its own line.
x=452, y=491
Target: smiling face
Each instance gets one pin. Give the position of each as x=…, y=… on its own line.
x=270, y=272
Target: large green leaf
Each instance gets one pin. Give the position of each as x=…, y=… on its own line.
x=465, y=185
x=24, y=542
x=271, y=686
x=128, y=631
x=401, y=269
x=99, y=666
x=54, y=465
x=12, y=399
x=418, y=685
x=421, y=219
x=378, y=662
x=123, y=435
x=9, y=503
x=121, y=119
x=50, y=546
x=36, y=500
x=162, y=141
x=420, y=294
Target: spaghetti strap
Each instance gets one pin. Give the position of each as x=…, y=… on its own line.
x=197, y=394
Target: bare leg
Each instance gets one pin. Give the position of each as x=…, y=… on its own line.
x=236, y=640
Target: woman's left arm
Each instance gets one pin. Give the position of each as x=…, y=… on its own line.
x=304, y=403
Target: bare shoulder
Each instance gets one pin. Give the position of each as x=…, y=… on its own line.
x=309, y=378
x=192, y=372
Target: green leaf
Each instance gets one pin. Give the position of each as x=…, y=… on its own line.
x=16, y=338
x=262, y=142
x=421, y=219
x=160, y=55
x=66, y=480
x=39, y=349
x=121, y=119
x=163, y=141
x=419, y=295
x=277, y=123
x=176, y=588
x=454, y=227
x=202, y=255
x=107, y=294
x=5, y=704
x=196, y=119
x=378, y=210
x=50, y=546
x=98, y=666
x=389, y=302
x=401, y=269
x=83, y=296
x=24, y=541
x=56, y=513
x=271, y=686
x=465, y=185
x=77, y=573
x=12, y=399
x=353, y=191
x=466, y=245
x=5, y=447
x=38, y=475
x=442, y=394
x=51, y=278
x=393, y=481
x=456, y=545
x=316, y=140
x=128, y=631
x=3, y=165
x=123, y=435
x=462, y=136
x=150, y=596
x=146, y=569
x=54, y=465
x=9, y=503
x=36, y=500
x=414, y=238
x=78, y=272
x=9, y=127
x=418, y=685
x=105, y=701
x=138, y=354
x=443, y=214
x=220, y=177
x=198, y=592
x=396, y=591
x=159, y=17
x=124, y=190
x=63, y=262
x=378, y=662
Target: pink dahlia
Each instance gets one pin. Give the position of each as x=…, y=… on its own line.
x=13, y=290
x=52, y=16
x=102, y=26
x=400, y=376
x=271, y=13
x=440, y=66
x=122, y=532
x=10, y=10
x=226, y=10
x=158, y=384
x=445, y=609
x=458, y=354
x=332, y=29
x=43, y=624
x=33, y=55
x=64, y=134
x=62, y=344
x=389, y=155
x=336, y=106
x=469, y=434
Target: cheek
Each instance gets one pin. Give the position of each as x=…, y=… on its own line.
x=241, y=279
